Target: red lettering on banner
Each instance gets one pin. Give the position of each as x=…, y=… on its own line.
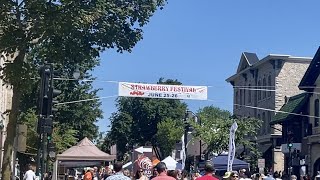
x=163, y=88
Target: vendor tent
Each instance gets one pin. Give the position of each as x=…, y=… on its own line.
x=85, y=153
x=220, y=163
x=170, y=163
x=85, y=150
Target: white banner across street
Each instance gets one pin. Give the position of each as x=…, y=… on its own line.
x=162, y=91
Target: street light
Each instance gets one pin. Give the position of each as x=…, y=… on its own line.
x=188, y=130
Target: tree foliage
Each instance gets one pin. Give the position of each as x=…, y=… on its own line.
x=169, y=132
x=215, y=126
x=69, y=32
x=136, y=119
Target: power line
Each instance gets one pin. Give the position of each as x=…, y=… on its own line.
x=272, y=110
x=85, y=80
x=252, y=107
x=85, y=100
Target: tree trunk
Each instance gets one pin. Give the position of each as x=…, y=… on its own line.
x=13, y=116
x=11, y=132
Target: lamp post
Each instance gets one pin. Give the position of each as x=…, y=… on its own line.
x=186, y=129
x=46, y=147
x=190, y=114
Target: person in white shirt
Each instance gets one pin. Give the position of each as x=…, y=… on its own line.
x=29, y=175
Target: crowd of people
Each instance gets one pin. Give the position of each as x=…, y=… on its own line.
x=160, y=172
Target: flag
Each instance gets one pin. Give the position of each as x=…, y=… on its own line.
x=183, y=153
x=232, y=146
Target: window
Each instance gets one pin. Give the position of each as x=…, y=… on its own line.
x=264, y=122
x=270, y=86
x=264, y=88
x=259, y=117
x=241, y=91
x=236, y=99
x=249, y=94
x=259, y=91
x=244, y=97
x=316, y=113
x=269, y=120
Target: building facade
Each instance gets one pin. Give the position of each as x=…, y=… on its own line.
x=260, y=88
x=311, y=85
x=295, y=127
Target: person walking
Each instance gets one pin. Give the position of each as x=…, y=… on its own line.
x=118, y=175
x=234, y=176
x=209, y=172
x=162, y=170
x=88, y=175
x=140, y=175
x=29, y=175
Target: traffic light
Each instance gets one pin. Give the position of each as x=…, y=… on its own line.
x=46, y=125
x=290, y=139
x=51, y=148
x=47, y=95
x=45, y=73
x=53, y=93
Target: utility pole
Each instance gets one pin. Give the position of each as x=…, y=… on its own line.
x=186, y=129
x=290, y=162
x=290, y=145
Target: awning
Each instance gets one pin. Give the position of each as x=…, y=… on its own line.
x=294, y=105
x=221, y=163
x=264, y=148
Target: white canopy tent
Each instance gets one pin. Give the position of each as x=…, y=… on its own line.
x=170, y=163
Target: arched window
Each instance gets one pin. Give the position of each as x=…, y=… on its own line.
x=269, y=120
x=236, y=98
x=264, y=82
x=316, y=113
x=249, y=94
x=270, y=86
x=259, y=91
x=241, y=94
x=244, y=96
x=264, y=123
x=259, y=117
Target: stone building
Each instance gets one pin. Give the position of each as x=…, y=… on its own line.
x=260, y=88
x=5, y=106
x=311, y=143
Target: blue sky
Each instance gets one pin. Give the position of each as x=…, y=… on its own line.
x=199, y=42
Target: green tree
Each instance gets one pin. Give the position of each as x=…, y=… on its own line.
x=79, y=118
x=72, y=32
x=136, y=119
x=169, y=132
x=215, y=126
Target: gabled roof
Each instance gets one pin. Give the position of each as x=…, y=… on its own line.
x=244, y=62
x=247, y=59
x=293, y=105
x=85, y=150
x=312, y=73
